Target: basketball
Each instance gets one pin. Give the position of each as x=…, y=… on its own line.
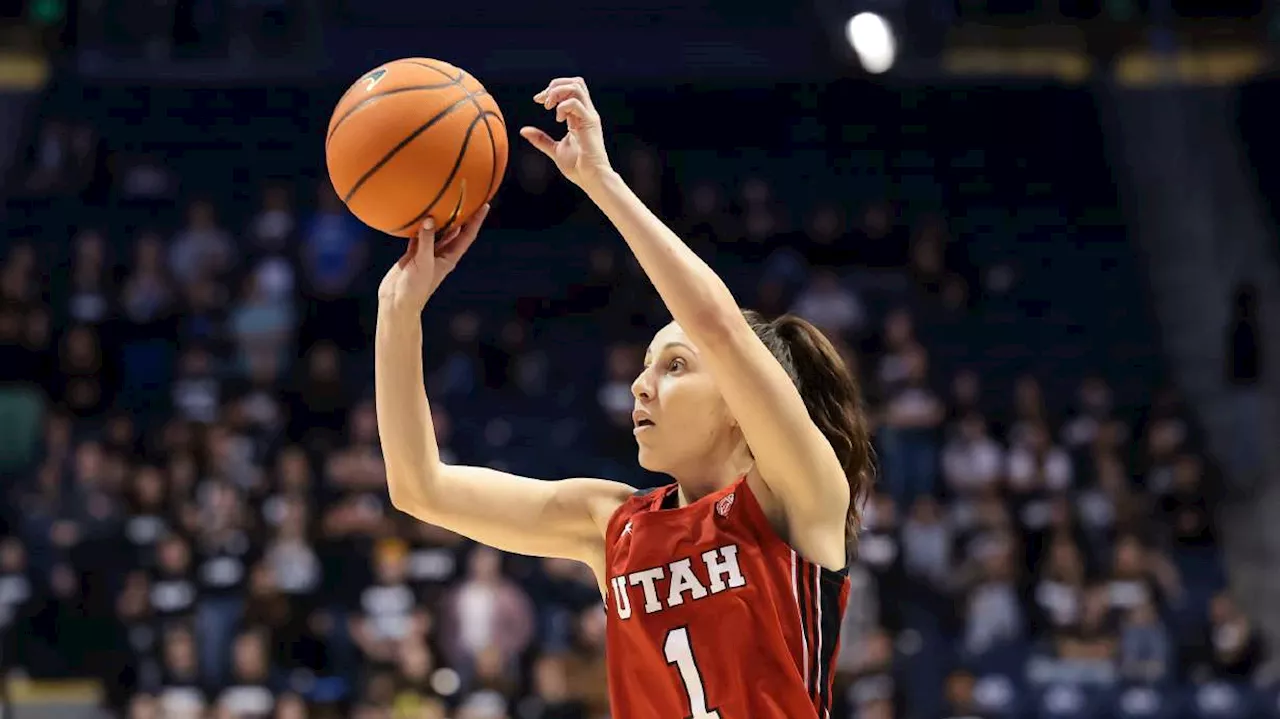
x=412, y=139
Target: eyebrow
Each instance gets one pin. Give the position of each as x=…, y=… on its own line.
x=673, y=343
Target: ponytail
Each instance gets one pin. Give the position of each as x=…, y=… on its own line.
x=832, y=396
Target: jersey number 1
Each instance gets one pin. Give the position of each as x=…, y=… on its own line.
x=679, y=653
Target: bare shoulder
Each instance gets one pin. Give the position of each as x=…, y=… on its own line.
x=600, y=497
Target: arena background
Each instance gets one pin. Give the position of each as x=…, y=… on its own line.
x=1045, y=238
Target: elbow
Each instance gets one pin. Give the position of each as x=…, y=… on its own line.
x=410, y=490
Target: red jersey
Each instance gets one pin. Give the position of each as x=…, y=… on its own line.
x=711, y=615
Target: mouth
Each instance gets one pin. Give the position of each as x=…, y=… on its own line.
x=642, y=425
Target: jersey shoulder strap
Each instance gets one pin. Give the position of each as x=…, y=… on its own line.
x=639, y=501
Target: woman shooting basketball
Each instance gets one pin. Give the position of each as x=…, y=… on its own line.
x=724, y=590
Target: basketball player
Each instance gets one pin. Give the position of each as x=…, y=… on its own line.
x=724, y=590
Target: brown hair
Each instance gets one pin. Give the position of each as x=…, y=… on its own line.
x=832, y=396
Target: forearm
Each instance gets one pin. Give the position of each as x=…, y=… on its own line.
x=404, y=416
x=697, y=298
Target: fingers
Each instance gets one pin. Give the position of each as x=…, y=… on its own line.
x=576, y=84
x=426, y=237
x=572, y=109
x=466, y=236
x=540, y=140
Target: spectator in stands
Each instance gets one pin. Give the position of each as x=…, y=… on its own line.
x=487, y=614
x=179, y=689
x=873, y=682
x=262, y=325
x=927, y=543
x=972, y=462
x=90, y=296
x=274, y=224
x=1145, y=650
x=147, y=296
x=249, y=692
x=909, y=435
x=334, y=251
x=1232, y=650
x=993, y=613
x=201, y=250
x=831, y=307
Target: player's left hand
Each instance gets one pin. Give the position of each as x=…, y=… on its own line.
x=580, y=154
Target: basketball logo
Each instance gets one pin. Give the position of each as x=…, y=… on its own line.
x=723, y=506
x=372, y=79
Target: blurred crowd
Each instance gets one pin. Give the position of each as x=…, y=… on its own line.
x=196, y=513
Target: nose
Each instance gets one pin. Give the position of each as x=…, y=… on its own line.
x=642, y=387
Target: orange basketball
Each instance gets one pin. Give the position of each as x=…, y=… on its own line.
x=413, y=139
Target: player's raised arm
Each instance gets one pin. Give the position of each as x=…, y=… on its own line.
x=792, y=455
x=516, y=514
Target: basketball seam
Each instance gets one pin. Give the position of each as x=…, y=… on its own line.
x=493, y=157
x=401, y=145
x=457, y=164
x=369, y=100
x=433, y=68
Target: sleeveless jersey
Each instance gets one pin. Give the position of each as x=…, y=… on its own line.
x=711, y=615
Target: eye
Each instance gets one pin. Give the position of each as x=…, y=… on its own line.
x=676, y=365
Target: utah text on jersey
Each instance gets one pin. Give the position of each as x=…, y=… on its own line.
x=663, y=587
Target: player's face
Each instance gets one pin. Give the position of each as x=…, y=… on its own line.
x=680, y=417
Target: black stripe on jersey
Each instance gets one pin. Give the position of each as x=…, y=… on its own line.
x=831, y=600
x=802, y=581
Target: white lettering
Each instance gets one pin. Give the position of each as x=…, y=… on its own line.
x=648, y=577
x=621, y=599
x=683, y=580
x=686, y=582
x=728, y=566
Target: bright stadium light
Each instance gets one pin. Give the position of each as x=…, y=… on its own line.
x=872, y=40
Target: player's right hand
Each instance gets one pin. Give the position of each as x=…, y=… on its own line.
x=428, y=260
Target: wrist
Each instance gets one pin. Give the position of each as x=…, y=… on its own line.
x=398, y=316
x=600, y=180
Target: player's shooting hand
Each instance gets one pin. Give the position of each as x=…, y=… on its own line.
x=426, y=262
x=580, y=154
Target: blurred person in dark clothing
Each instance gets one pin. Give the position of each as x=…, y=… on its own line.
x=1187, y=507
x=880, y=550
x=179, y=690
x=91, y=296
x=334, y=250
x=85, y=376
x=319, y=401
x=909, y=436
x=203, y=319
x=226, y=548
x=174, y=591
x=1231, y=648
x=249, y=692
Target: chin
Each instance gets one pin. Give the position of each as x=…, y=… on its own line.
x=649, y=460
